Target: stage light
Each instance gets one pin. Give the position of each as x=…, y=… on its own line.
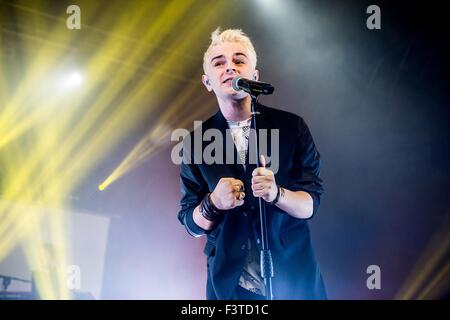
x=74, y=80
x=47, y=152
x=66, y=81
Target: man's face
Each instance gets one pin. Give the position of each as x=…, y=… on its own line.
x=225, y=61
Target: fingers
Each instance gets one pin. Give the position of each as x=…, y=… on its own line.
x=262, y=160
x=238, y=191
x=262, y=179
x=260, y=193
x=232, y=181
x=262, y=172
x=236, y=182
x=262, y=186
x=259, y=186
x=228, y=193
x=239, y=200
x=258, y=172
x=237, y=188
x=234, y=185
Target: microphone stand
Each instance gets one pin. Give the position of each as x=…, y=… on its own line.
x=266, y=255
x=7, y=281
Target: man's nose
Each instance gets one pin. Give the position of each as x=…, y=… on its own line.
x=231, y=69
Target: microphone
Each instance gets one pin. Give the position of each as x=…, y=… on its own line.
x=252, y=87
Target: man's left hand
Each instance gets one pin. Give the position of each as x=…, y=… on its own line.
x=263, y=182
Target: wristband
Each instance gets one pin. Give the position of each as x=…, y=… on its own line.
x=208, y=210
x=277, y=197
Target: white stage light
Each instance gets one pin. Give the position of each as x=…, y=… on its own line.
x=74, y=79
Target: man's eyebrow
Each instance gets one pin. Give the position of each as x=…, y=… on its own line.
x=217, y=57
x=240, y=54
x=221, y=56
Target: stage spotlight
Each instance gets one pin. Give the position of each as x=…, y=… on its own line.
x=73, y=80
x=68, y=81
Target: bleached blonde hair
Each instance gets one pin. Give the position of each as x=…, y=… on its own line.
x=230, y=36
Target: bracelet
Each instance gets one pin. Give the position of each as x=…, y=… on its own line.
x=208, y=210
x=277, y=196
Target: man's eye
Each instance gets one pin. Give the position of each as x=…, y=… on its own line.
x=239, y=62
x=218, y=63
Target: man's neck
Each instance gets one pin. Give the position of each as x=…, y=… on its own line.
x=236, y=110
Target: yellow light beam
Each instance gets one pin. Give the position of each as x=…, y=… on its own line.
x=441, y=277
x=432, y=254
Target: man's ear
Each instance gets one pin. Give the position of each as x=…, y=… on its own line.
x=256, y=75
x=206, y=82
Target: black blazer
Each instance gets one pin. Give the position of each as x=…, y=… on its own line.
x=297, y=275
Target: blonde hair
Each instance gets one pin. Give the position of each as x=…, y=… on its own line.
x=230, y=36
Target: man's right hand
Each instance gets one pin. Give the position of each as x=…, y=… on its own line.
x=228, y=194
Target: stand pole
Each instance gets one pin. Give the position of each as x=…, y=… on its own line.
x=265, y=256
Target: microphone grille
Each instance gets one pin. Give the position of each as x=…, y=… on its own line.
x=234, y=83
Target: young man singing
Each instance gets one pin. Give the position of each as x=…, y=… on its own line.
x=220, y=200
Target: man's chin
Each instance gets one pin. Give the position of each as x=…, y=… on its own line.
x=231, y=94
x=236, y=95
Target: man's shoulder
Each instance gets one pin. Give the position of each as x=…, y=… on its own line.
x=208, y=123
x=286, y=118
x=278, y=112
x=202, y=125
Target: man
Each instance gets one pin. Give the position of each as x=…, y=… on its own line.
x=221, y=199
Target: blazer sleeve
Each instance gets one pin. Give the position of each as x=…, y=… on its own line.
x=193, y=189
x=305, y=171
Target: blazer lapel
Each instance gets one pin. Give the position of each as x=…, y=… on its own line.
x=236, y=169
x=219, y=122
x=262, y=122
